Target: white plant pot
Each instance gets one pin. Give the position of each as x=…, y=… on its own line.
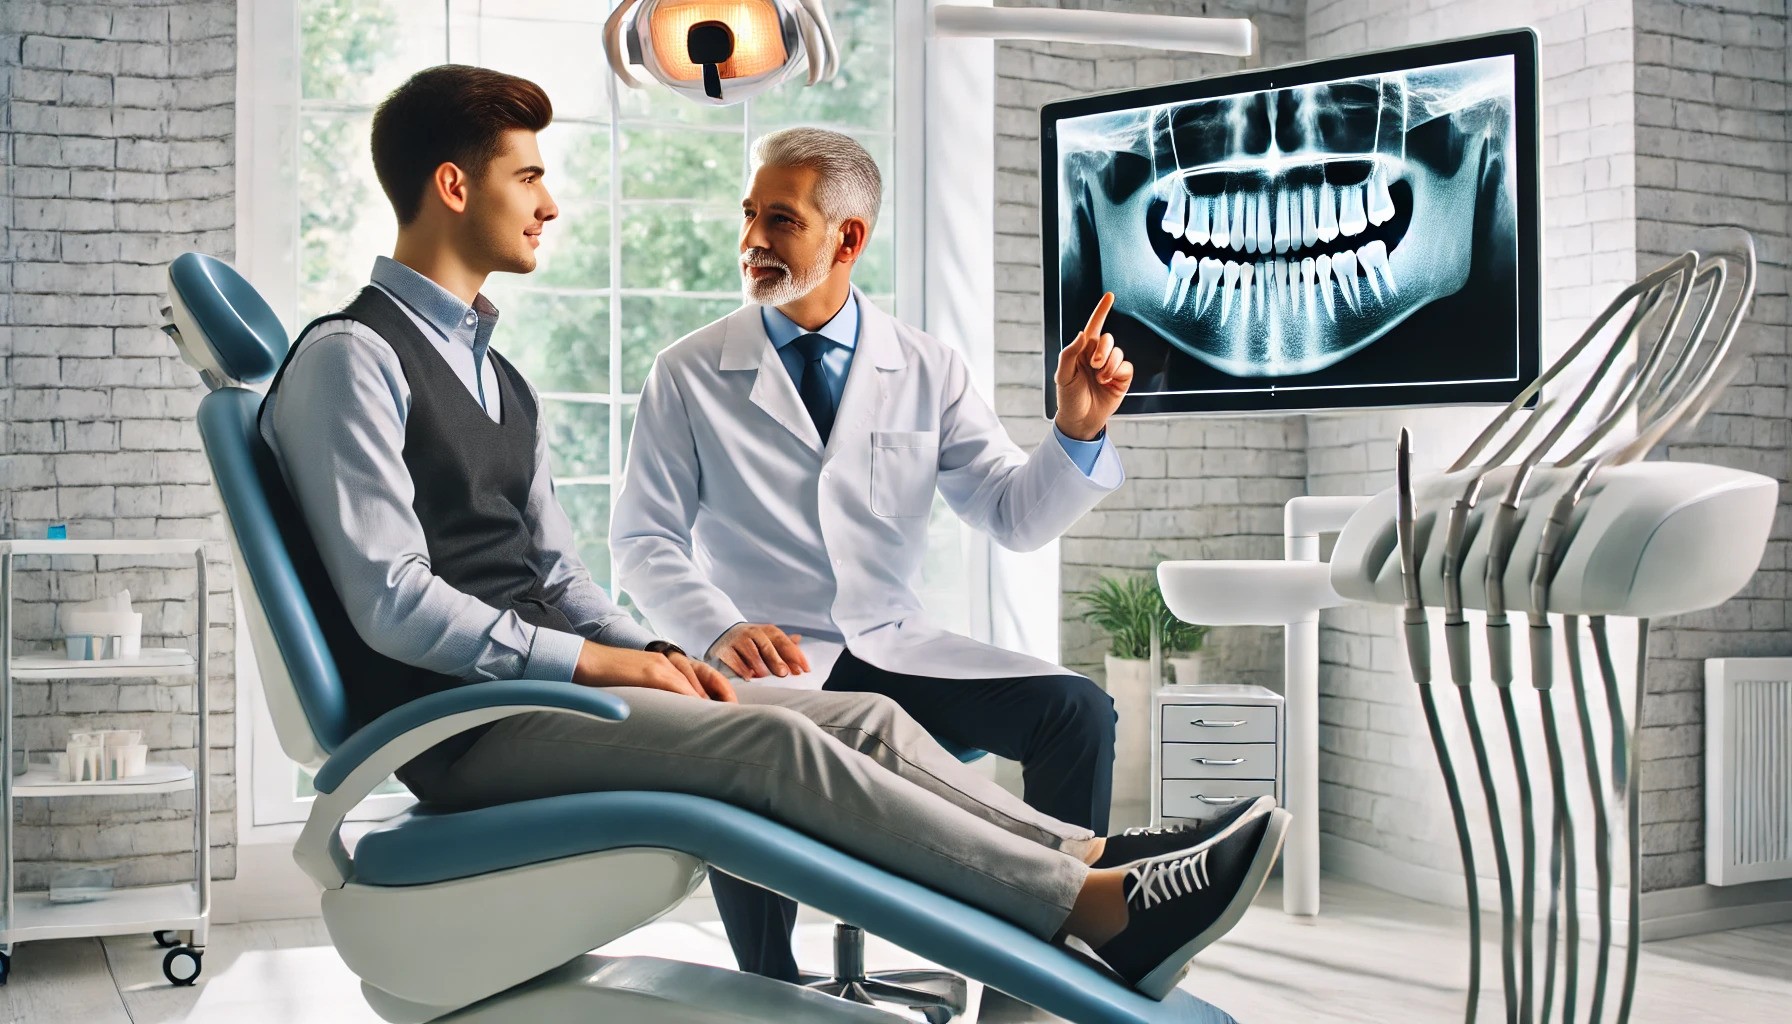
x=1129, y=682
x=1188, y=669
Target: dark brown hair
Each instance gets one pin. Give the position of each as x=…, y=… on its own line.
x=451, y=113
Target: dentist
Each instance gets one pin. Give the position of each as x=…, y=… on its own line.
x=780, y=478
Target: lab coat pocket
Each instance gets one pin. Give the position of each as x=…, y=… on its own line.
x=904, y=464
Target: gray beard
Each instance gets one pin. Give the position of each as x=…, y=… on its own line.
x=794, y=285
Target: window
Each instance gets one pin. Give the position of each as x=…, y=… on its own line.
x=644, y=251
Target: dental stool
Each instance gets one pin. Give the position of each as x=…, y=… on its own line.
x=938, y=995
x=491, y=915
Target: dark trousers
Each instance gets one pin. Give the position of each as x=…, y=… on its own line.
x=1059, y=727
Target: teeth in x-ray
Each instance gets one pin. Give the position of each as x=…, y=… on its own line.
x=1227, y=289
x=1246, y=273
x=1238, y=219
x=1283, y=241
x=1375, y=268
x=1328, y=213
x=1351, y=218
x=1306, y=286
x=1176, y=210
x=1344, y=265
x=1309, y=228
x=1179, y=262
x=1381, y=202
x=1323, y=265
x=1369, y=276
x=1264, y=241
x=1251, y=203
x=1210, y=277
x=1198, y=212
x=1184, y=275
x=1222, y=220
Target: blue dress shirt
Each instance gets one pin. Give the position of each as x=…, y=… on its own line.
x=843, y=331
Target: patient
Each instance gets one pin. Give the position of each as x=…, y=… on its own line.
x=416, y=456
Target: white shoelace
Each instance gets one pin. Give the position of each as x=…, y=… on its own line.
x=1161, y=830
x=1156, y=881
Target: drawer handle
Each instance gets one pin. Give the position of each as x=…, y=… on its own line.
x=1217, y=725
x=1217, y=801
x=1217, y=761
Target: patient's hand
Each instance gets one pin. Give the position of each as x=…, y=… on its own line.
x=754, y=649
x=704, y=678
x=619, y=666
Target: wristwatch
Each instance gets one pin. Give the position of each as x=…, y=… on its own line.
x=664, y=647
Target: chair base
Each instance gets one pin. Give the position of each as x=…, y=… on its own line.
x=939, y=995
x=647, y=990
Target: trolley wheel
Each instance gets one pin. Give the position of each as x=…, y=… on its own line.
x=5, y=967
x=181, y=965
x=167, y=939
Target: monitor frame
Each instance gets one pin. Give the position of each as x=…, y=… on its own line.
x=1519, y=44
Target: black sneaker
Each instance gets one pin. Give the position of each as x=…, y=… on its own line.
x=1179, y=903
x=1140, y=843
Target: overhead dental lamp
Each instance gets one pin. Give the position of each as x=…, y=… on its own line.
x=720, y=51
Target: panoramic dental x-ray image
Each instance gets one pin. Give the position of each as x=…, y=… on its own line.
x=1338, y=236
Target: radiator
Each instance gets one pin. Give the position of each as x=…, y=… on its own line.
x=1748, y=770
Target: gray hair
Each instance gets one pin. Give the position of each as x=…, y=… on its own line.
x=848, y=183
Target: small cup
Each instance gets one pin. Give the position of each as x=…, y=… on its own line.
x=86, y=762
x=128, y=761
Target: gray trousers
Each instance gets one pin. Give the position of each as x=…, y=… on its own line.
x=850, y=769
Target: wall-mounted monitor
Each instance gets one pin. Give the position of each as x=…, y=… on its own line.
x=1348, y=233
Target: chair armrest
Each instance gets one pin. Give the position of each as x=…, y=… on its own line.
x=512, y=696
x=381, y=747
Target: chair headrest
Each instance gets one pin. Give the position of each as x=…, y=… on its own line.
x=222, y=325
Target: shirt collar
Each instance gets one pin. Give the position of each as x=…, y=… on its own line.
x=435, y=304
x=842, y=330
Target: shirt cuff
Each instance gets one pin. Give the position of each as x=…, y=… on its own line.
x=554, y=655
x=1083, y=453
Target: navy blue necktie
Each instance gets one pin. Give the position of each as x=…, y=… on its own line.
x=817, y=397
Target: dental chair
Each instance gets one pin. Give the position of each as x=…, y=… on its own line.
x=491, y=915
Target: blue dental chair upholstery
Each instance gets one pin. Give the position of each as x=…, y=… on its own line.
x=491, y=914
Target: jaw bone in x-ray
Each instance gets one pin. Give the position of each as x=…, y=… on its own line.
x=1274, y=233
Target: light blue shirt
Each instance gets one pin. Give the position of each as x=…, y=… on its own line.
x=336, y=425
x=462, y=333
x=843, y=331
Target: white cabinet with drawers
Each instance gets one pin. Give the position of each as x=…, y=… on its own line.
x=1213, y=746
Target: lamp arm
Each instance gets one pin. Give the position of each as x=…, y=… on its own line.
x=613, y=43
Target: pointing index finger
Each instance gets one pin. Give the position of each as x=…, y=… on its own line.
x=1101, y=314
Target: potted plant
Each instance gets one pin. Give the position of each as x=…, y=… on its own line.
x=1131, y=611
x=1184, y=641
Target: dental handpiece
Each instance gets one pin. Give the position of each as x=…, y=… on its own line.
x=1418, y=652
x=1563, y=875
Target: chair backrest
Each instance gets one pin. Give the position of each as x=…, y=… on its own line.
x=227, y=332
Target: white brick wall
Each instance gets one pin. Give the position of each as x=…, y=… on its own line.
x=1195, y=488
x=1713, y=148
x=116, y=143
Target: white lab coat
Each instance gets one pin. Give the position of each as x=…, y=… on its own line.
x=732, y=511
